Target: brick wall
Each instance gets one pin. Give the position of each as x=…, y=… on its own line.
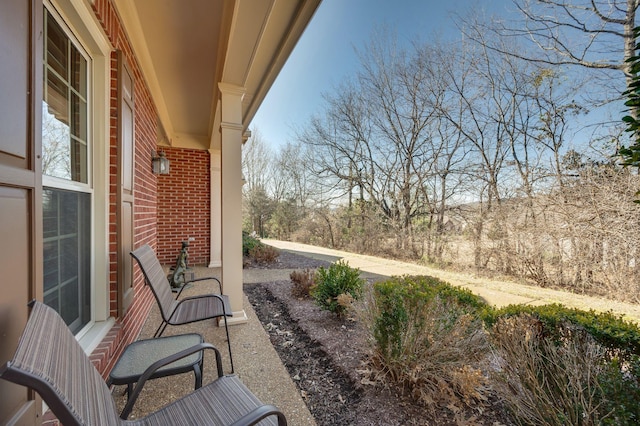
x=190, y=165
x=184, y=206
x=145, y=205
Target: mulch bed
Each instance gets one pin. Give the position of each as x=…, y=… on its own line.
x=327, y=359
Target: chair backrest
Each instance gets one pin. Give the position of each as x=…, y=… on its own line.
x=50, y=361
x=154, y=276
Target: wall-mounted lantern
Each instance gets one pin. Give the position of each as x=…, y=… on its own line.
x=160, y=163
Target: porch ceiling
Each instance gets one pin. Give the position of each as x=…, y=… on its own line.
x=185, y=48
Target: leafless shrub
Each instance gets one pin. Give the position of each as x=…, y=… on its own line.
x=345, y=301
x=546, y=381
x=302, y=282
x=264, y=254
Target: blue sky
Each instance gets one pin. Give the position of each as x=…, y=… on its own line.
x=325, y=54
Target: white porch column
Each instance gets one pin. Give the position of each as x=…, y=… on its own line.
x=231, y=165
x=216, y=210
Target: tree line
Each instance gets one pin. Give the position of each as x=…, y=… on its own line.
x=495, y=152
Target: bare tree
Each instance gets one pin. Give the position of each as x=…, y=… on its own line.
x=422, y=133
x=256, y=161
x=558, y=35
x=380, y=138
x=256, y=169
x=592, y=34
x=291, y=181
x=595, y=230
x=475, y=106
x=56, y=146
x=291, y=186
x=447, y=181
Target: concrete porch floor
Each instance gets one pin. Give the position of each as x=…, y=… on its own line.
x=255, y=360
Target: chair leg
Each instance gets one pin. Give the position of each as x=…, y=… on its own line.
x=197, y=371
x=226, y=328
x=160, y=329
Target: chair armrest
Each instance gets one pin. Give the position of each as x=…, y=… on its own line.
x=161, y=363
x=260, y=413
x=200, y=279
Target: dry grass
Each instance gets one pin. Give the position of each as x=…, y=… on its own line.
x=547, y=382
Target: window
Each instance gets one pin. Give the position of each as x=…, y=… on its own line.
x=67, y=249
x=67, y=196
x=64, y=118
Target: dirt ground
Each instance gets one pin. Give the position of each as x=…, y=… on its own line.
x=328, y=357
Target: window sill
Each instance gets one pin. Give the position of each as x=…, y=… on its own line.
x=95, y=334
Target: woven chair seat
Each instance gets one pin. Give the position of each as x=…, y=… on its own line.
x=50, y=361
x=177, y=311
x=197, y=310
x=222, y=393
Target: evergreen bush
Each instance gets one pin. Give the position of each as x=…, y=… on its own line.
x=336, y=286
x=429, y=339
x=249, y=243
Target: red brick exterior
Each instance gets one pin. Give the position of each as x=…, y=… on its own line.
x=145, y=189
x=167, y=209
x=184, y=206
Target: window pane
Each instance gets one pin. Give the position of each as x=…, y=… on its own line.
x=56, y=151
x=65, y=111
x=50, y=265
x=78, y=72
x=70, y=306
x=57, y=98
x=67, y=255
x=51, y=299
x=50, y=213
x=57, y=48
x=69, y=262
x=68, y=213
x=79, y=159
x=78, y=117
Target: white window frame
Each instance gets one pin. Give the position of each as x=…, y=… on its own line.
x=79, y=18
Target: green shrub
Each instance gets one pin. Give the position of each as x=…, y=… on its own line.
x=402, y=302
x=335, y=287
x=428, y=338
x=610, y=330
x=620, y=385
x=255, y=250
x=566, y=366
x=249, y=243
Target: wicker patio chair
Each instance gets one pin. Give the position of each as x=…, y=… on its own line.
x=50, y=361
x=176, y=311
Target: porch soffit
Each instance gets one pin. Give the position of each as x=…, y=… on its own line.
x=186, y=48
